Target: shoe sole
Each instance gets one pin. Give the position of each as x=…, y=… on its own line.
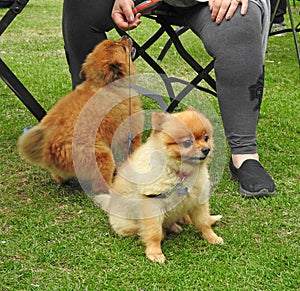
x=259, y=194
x=248, y=194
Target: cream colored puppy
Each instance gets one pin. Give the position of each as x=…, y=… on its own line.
x=164, y=180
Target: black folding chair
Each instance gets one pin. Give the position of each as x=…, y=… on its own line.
x=294, y=28
x=15, y=8
x=166, y=22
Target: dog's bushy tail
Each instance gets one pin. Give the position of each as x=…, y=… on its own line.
x=31, y=144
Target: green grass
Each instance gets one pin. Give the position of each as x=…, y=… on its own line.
x=53, y=237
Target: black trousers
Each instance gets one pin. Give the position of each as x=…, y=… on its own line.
x=84, y=25
x=279, y=17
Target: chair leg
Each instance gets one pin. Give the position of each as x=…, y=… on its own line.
x=202, y=72
x=8, y=76
x=294, y=30
x=180, y=30
x=22, y=93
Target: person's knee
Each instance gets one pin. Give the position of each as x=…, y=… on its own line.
x=243, y=30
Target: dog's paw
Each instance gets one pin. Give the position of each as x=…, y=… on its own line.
x=175, y=228
x=215, y=240
x=102, y=200
x=58, y=179
x=185, y=220
x=156, y=257
x=215, y=218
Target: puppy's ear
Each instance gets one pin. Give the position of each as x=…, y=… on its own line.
x=206, y=122
x=158, y=119
x=104, y=75
x=191, y=108
x=86, y=66
x=82, y=74
x=117, y=70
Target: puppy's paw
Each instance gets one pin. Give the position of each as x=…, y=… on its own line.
x=185, y=220
x=58, y=179
x=156, y=257
x=175, y=228
x=215, y=218
x=154, y=252
x=215, y=240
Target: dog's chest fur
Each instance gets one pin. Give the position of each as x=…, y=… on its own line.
x=195, y=189
x=159, y=189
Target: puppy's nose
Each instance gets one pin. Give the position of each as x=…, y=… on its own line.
x=205, y=150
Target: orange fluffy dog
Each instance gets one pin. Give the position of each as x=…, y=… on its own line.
x=164, y=180
x=93, y=121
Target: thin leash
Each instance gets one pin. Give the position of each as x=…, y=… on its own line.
x=130, y=136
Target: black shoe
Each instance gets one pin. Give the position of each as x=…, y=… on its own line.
x=253, y=178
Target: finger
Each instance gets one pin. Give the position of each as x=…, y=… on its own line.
x=127, y=11
x=222, y=11
x=244, y=8
x=122, y=22
x=219, y=10
x=135, y=22
x=233, y=7
x=214, y=8
x=122, y=13
x=210, y=4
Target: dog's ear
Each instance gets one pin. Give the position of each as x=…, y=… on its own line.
x=82, y=74
x=191, y=108
x=106, y=74
x=117, y=70
x=158, y=119
x=85, y=67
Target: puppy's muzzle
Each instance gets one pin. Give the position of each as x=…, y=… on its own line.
x=197, y=159
x=205, y=150
x=130, y=45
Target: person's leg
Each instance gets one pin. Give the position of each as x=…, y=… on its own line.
x=84, y=25
x=236, y=46
x=279, y=16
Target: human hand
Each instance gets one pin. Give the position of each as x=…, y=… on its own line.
x=123, y=16
x=221, y=9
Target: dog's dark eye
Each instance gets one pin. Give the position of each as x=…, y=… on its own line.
x=206, y=138
x=188, y=143
x=123, y=47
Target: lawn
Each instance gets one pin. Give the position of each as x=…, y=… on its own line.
x=53, y=237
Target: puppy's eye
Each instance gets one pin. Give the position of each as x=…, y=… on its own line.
x=206, y=138
x=187, y=143
x=123, y=47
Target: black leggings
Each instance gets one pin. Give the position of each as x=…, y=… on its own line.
x=236, y=46
x=84, y=25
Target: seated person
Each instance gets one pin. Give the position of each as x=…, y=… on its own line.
x=234, y=32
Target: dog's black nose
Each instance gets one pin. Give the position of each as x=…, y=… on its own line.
x=205, y=150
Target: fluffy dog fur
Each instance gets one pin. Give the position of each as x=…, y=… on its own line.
x=145, y=200
x=49, y=144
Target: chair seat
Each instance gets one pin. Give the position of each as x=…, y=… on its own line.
x=166, y=23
